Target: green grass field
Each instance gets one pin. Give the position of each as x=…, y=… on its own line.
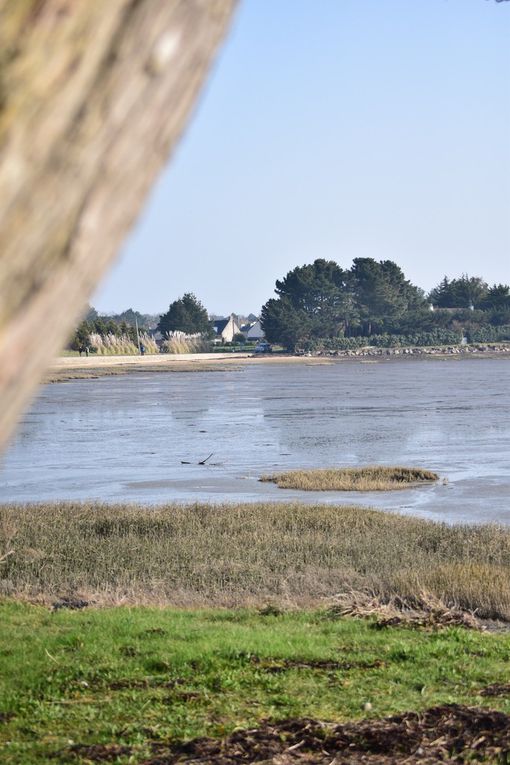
x=210, y=619
x=145, y=678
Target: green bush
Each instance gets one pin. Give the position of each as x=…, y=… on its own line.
x=489, y=334
x=435, y=337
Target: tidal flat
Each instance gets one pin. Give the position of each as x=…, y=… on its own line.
x=194, y=601
x=140, y=438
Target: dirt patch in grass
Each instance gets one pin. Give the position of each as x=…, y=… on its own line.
x=145, y=682
x=371, y=478
x=447, y=734
x=99, y=752
x=425, y=621
x=275, y=666
x=496, y=689
x=75, y=604
x=154, y=631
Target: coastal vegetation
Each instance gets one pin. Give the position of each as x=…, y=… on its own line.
x=180, y=342
x=322, y=305
x=370, y=478
x=186, y=315
x=325, y=307
x=113, y=335
x=242, y=555
x=120, y=344
x=139, y=685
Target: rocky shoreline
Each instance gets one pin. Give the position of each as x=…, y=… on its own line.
x=488, y=349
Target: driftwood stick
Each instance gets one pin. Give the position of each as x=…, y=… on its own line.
x=95, y=96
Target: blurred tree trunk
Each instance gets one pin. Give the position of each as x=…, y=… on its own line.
x=93, y=96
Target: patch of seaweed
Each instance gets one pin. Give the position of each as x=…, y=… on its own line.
x=444, y=734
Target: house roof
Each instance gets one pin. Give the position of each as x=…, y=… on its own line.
x=220, y=325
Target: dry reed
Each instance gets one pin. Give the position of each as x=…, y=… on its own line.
x=234, y=555
x=421, y=610
x=179, y=342
x=120, y=345
x=371, y=478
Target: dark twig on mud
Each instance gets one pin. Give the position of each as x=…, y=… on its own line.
x=202, y=462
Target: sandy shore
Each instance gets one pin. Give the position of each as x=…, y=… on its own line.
x=162, y=359
x=76, y=367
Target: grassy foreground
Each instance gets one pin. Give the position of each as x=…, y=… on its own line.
x=371, y=478
x=139, y=680
x=248, y=555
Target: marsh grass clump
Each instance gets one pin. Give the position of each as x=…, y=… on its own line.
x=180, y=342
x=370, y=478
x=290, y=555
x=120, y=345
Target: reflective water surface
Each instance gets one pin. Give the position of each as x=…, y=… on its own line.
x=125, y=438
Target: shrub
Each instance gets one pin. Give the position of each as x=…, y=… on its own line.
x=180, y=342
x=489, y=334
x=120, y=345
x=432, y=338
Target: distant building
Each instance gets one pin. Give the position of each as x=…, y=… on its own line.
x=253, y=331
x=225, y=329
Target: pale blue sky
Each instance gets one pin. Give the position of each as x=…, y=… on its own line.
x=334, y=129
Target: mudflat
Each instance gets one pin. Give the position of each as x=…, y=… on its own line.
x=78, y=442
x=89, y=367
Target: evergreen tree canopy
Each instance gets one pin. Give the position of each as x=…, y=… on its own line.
x=322, y=300
x=382, y=292
x=464, y=292
x=497, y=297
x=314, y=301
x=187, y=314
x=132, y=318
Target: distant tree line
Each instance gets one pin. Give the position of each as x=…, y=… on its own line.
x=320, y=303
x=186, y=314
x=119, y=325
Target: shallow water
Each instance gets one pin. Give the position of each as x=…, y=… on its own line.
x=123, y=438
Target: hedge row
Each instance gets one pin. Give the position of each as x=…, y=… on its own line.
x=489, y=334
x=436, y=337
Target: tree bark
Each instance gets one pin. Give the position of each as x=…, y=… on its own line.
x=93, y=96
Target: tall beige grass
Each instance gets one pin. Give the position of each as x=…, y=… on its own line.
x=120, y=345
x=370, y=478
x=179, y=342
x=249, y=554
x=149, y=343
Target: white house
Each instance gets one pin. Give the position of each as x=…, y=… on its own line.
x=225, y=329
x=253, y=332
